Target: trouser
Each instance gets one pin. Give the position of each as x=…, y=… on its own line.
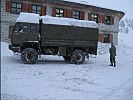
x=112, y=60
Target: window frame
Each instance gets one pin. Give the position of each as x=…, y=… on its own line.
x=93, y=18
x=76, y=14
x=36, y=9
x=59, y=13
x=106, y=38
x=35, y=28
x=108, y=20
x=16, y=7
x=22, y=25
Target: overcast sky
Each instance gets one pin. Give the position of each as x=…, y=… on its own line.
x=124, y=5
x=121, y=5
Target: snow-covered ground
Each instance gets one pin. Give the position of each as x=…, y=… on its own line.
x=54, y=79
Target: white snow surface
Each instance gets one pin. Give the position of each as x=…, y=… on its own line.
x=28, y=17
x=51, y=78
x=68, y=22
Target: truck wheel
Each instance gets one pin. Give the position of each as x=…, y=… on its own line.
x=29, y=55
x=67, y=58
x=78, y=57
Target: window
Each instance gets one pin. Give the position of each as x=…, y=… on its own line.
x=94, y=17
x=108, y=20
x=16, y=7
x=36, y=9
x=59, y=12
x=106, y=38
x=23, y=28
x=76, y=14
x=16, y=27
x=33, y=28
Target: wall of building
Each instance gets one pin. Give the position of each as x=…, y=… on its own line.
x=8, y=19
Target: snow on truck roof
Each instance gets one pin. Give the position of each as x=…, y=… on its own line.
x=34, y=18
x=28, y=17
x=68, y=22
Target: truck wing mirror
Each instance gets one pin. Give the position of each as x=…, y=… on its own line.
x=20, y=29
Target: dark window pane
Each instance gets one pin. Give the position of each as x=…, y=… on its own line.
x=38, y=8
x=33, y=28
x=33, y=11
x=16, y=28
x=108, y=20
x=38, y=12
x=76, y=14
x=106, y=38
x=16, y=7
x=59, y=12
x=94, y=17
x=25, y=28
x=13, y=5
x=18, y=10
x=13, y=9
x=33, y=7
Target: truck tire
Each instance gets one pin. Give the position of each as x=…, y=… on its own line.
x=78, y=57
x=29, y=55
x=67, y=58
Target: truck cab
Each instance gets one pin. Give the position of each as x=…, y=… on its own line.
x=23, y=33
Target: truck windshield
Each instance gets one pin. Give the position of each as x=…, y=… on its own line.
x=16, y=27
x=20, y=27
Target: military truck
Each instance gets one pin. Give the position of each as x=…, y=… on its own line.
x=34, y=35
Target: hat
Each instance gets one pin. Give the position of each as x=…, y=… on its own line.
x=112, y=43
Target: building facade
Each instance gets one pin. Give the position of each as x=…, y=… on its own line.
x=107, y=19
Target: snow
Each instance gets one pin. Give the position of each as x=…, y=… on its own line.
x=126, y=38
x=68, y=21
x=51, y=78
x=28, y=17
x=54, y=79
x=34, y=18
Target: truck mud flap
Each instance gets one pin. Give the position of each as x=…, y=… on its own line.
x=62, y=51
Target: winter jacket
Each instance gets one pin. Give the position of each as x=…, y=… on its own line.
x=112, y=51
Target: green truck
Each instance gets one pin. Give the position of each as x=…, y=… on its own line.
x=35, y=35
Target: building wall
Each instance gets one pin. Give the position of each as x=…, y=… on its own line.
x=8, y=19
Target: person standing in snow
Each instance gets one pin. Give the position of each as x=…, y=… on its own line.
x=112, y=52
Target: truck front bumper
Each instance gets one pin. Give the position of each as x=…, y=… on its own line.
x=14, y=49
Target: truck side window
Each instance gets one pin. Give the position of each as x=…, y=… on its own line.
x=23, y=28
x=20, y=29
x=33, y=28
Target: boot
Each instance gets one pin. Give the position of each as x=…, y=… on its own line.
x=114, y=65
x=111, y=65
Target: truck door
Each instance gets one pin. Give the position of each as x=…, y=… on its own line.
x=33, y=34
x=14, y=36
x=23, y=32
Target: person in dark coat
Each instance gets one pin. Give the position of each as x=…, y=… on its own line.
x=112, y=52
